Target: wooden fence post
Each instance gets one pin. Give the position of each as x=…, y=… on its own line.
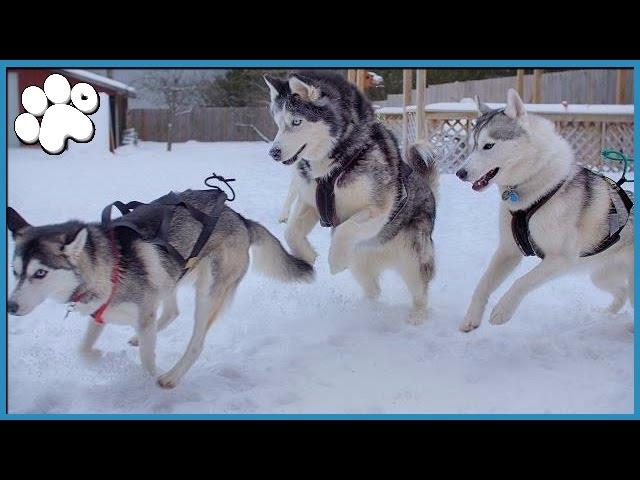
x=361, y=79
x=421, y=85
x=520, y=83
x=407, y=86
x=621, y=86
x=537, y=86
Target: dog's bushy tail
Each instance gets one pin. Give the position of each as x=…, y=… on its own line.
x=271, y=259
x=424, y=162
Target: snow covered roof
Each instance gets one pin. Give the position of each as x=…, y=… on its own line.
x=542, y=108
x=100, y=80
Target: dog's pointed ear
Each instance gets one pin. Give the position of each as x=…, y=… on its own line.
x=304, y=88
x=482, y=107
x=15, y=222
x=515, y=105
x=73, y=248
x=274, y=84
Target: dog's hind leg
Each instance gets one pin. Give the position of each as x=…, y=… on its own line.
x=417, y=273
x=304, y=219
x=91, y=336
x=211, y=298
x=169, y=313
x=630, y=283
x=365, y=267
x=612, y=279
x=146, y=333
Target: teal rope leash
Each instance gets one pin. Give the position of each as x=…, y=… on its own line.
x=618, y=156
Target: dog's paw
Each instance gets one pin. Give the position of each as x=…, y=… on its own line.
x=133, y=341
x=372, y=292
x=417, y=317
x=61, y=120
x=167, y=381
x=470, y=324
x=309, y=255
x=501, y=313
x=90, y=354
x=615, y=306
x=338, y=259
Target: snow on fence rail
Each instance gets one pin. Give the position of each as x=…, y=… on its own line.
x=588, y=128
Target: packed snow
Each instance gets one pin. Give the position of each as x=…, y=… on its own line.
x=318, y=348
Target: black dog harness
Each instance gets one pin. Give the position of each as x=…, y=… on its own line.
x=522, y=235
x=140, y=217
x=325, y=196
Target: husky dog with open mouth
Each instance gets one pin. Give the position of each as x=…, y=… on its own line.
x=353, y=179
x=570, y=217
x=118, y=276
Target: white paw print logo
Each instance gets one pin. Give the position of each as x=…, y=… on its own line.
x=61, y=120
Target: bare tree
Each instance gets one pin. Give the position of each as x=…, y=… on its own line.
x=172, y=89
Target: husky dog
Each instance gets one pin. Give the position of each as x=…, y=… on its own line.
x=58, y=261
x=533, y=166
x=383, y=216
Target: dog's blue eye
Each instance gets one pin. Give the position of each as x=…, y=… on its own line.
x=40, y=273
x=296, y=121
x=488, y=146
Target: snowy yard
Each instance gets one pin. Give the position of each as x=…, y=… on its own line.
x=316, y=348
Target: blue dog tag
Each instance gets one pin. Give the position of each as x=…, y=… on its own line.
x=510, y=194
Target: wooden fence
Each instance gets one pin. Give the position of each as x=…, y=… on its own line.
x=216, y=124
x=595, y=86
x=588, y=128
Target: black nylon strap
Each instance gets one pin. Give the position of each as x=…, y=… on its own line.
x=167, y=204
x=520, y=225
x=325, y=196
x=522, y=235
x=612, y=239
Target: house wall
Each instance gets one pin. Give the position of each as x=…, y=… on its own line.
x=13, y=109
x=24, y=77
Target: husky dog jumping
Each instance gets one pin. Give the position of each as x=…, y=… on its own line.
x=126, y=278
x=570, y=217
x=351, y=177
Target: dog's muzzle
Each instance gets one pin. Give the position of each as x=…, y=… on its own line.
x=276, y=153
x=295, y=156
x=12, y=307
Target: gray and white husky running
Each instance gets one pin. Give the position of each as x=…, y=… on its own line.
x=576, y=213
x=76, y=260
x=382, y=211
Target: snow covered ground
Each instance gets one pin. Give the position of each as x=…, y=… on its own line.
x=316, y=348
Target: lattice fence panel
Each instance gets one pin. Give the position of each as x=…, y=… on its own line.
x=449, y=139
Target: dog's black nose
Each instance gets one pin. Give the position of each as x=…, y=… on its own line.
x=276, y=153
x=12, y=307
x=461, y=174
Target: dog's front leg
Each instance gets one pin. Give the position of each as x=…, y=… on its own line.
x=503, y=262
x=549, y=268
x=292, y=194
x=146, y=333
x=361, y=226
x=304, y=219
x=91, y=335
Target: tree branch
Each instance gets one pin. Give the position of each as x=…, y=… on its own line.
x=255, y=129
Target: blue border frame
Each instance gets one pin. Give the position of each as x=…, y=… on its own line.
x=4, y=64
